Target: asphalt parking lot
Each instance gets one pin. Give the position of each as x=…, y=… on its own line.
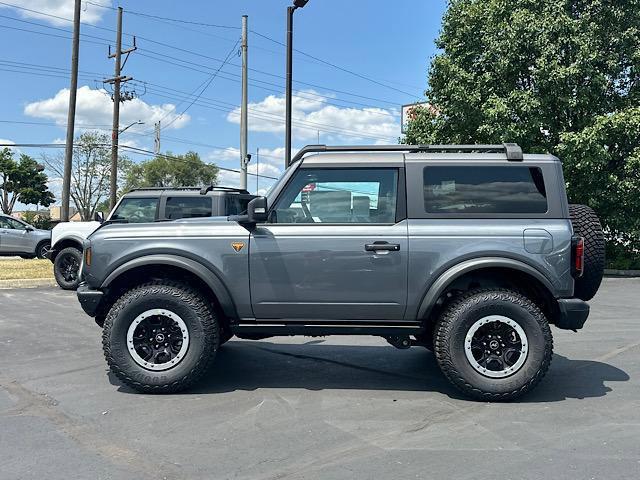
x=335, y=408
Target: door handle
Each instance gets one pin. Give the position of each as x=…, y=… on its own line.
x=382, y=246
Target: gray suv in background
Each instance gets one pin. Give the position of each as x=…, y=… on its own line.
x=18, y=238
x=471, y=251
x=142, y=205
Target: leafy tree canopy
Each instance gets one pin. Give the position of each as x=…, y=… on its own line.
x=171, y=170
x=558, y=76
x=22, y=180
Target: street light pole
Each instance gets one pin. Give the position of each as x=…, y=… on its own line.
x=289, y=81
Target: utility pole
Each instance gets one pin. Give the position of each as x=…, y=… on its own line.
x=257, y=169
x=243, y=109
x=156, y=140
x=71, y=115
x=115, y=132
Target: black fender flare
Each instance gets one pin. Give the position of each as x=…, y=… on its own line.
x=73, y=238
x=438, y=287
x=201, y=271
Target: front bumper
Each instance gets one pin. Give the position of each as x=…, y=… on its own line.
x=573, y=313
x=89, y=299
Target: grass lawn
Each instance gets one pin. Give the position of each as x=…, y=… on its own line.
x=20, y=269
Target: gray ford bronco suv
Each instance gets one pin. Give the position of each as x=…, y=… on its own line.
x=471, y=251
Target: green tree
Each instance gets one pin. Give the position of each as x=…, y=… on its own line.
x=22, y=180
x=558, y=76
x=170, y=170
x=90, y=171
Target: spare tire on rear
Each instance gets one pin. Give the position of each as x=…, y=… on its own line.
x=587, y=225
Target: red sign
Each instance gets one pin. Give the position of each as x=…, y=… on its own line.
x=309, y=187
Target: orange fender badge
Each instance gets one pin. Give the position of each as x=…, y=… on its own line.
x=237, y=246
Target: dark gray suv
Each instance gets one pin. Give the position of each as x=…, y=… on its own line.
x=470, y=251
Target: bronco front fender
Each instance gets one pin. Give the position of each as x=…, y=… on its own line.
x=201, y=271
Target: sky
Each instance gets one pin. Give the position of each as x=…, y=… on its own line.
x=379, y=51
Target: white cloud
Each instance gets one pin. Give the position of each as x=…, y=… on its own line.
x=95, y=108
x=61, y=8
x=311, y=115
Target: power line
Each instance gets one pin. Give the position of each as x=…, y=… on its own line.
x=317, y=59
x=206, y=85
x=184, y=51
x=333, y=65
x=127, y=147
x=256, y=113
x=157, y=17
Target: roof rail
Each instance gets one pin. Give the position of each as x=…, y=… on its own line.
x=202, y=190
x=207, y=189
x=162, y=188
x=511, y=150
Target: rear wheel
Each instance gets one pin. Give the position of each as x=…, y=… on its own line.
x=160, y=337
x=587, y=225
x=66, y=268
x=493, y=345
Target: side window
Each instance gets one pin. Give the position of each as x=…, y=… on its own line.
x=188, y=207
x=11, y=224
x=484, y=190
x=358, y=195
x=136, y=210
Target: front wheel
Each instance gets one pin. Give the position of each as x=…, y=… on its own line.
x=493, y=345
x=66, y=268
x=160, y=337
x=42, y=251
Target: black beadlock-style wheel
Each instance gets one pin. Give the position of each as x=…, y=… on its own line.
x=494, y=344
x=160, y=337
x=587, y=225
x=66, y=268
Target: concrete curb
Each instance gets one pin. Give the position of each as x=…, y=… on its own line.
x=27, y=283
x=621, y=273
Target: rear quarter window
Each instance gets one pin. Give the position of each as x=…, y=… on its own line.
x=484, y=190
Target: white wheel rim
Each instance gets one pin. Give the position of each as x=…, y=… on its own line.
x=149, y=364
x=509, y=369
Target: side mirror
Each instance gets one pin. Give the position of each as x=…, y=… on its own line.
x=98, y=217
x=257, y=210
x=29, y=228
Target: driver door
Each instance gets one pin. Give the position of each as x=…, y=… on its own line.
x=335, y=248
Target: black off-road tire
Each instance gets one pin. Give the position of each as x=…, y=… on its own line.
x=199, y=317
x=587, y=225
x=457, y=319
x=69, y=254
x=42, y=249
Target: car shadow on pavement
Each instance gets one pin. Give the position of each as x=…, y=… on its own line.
x=247, y=365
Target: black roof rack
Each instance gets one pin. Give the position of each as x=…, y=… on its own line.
x=512, y=150
x=202, y=190
x=139, y=189
x=205, y=190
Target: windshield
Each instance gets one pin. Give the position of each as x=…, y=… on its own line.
x=136, y=210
